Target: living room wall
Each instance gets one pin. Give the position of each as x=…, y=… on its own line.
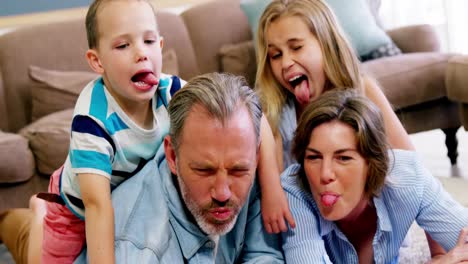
x=23, y=12
x=21, y=7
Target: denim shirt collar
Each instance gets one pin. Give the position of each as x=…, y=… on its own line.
x=189, y=235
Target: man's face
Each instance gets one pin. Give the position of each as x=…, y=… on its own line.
x=215, y=167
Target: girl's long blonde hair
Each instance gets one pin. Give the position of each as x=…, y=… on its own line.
x=341, y=66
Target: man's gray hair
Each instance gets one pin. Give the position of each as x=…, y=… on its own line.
x=221, y=94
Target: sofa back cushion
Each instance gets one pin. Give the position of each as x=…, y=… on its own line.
x=212, y=25
x=54, y=46
x=62, y=46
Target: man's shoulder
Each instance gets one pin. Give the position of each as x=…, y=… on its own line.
x=142, y=217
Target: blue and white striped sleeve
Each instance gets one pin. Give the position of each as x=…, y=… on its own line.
x=91, y=147
x=439, y=214
x=302, y=244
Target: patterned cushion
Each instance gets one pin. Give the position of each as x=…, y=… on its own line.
x=387, y=50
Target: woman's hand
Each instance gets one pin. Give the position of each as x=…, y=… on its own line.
x=458, y=254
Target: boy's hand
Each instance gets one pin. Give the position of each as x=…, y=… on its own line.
x=275, y=210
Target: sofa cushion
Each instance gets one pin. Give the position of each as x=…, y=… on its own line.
x=410, y=79
x=355, y=17
x=49, y=139
x=239, y=59
x=386, y=50
x=169, y=62
x=17, y=161
x=58, y=90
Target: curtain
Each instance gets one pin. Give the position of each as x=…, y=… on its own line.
x=449, y=18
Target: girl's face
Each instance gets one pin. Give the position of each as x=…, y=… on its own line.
x=336, y=171
x=296, y=58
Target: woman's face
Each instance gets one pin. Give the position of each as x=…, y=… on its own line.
x=295, y=58
x=336, y=171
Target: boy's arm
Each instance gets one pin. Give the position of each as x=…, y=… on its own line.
x=274, y=204
x=99, y=217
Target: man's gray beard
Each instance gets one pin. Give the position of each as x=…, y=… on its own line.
x=208, y=228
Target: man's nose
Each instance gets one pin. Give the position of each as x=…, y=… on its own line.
x=221, y=190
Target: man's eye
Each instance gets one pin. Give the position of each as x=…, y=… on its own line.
x=203, y=170
x=122, y=46
x=239, y=172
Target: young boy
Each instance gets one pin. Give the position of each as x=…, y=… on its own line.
x=118, y=124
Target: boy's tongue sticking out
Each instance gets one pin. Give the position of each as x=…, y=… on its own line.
x=145, y=80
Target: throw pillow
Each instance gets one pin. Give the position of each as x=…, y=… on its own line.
x=354, y=16
x=17, y=159
x=55, y=90
x=49, y=139
x=239, y=59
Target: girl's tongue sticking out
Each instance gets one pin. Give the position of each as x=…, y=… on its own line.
x=301, y=89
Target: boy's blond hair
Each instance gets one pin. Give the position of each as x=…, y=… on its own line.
x=341, y=66
x=92, y=29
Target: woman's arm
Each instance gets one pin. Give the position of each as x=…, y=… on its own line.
x=459, y=254
x=397, y=137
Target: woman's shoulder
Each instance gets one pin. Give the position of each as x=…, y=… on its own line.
x=406, y=170
x=290, y=179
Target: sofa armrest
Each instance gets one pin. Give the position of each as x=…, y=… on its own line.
x=415, y=38
x=456, y=78
x=3, y=111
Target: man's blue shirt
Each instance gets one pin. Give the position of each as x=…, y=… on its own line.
x=152, y=226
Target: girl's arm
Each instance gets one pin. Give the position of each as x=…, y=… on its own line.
x=99, y=217
x=397, y=137
x=275, y=207
x=396, y=133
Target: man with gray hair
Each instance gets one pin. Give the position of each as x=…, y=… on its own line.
x=198, y=201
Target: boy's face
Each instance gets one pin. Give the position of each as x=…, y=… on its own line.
x=128, y=54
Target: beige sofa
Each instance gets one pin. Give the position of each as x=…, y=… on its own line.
x=34, y=100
